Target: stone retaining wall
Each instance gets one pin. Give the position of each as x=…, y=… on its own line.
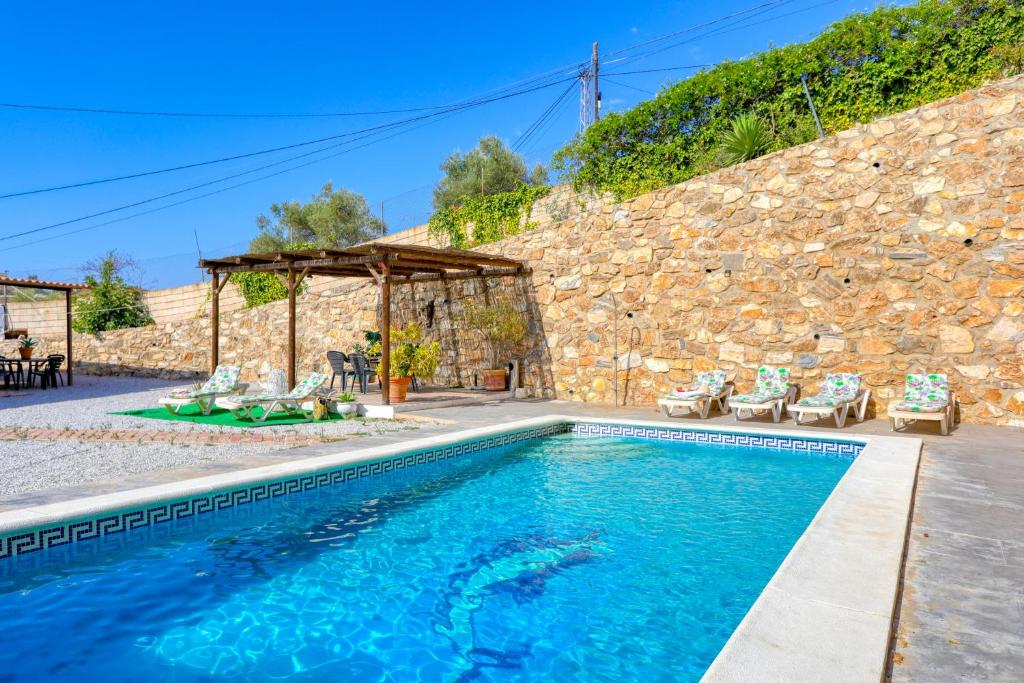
x=892, y=247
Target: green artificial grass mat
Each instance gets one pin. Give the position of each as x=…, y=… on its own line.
x=222, y=417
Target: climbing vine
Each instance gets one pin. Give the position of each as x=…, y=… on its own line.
x=489, y=218
x=860, y=68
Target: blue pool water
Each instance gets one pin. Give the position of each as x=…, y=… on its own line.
x=564, y=558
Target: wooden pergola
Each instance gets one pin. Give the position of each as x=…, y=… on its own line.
x=67, y=288
x=387, y=264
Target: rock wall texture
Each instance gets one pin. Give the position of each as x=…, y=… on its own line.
x=892, y=247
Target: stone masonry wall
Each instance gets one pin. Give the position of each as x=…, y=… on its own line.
x=892, y=247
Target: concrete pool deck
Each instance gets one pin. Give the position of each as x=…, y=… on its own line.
x=960, y=613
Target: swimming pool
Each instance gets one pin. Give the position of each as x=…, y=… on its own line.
x=582, y=552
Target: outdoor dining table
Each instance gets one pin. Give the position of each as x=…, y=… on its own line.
x=21, y=378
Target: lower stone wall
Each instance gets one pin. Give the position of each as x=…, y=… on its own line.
x=890, y=248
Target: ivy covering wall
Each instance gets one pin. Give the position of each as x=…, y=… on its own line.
x=862, y=67
x=488, y=218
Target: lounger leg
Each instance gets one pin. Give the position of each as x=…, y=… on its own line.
x=840, y=415
x=776, y=412
x=736, y=413
x=704, y=406
x=892, y=424
x=944, y=426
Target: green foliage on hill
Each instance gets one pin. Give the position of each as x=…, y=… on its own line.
x=861, y=68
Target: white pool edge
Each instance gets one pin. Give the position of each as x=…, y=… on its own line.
x=826, y=614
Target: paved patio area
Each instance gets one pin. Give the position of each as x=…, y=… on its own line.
x=961, y=616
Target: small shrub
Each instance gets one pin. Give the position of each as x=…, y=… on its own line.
x=109, y=303
x=748, y=139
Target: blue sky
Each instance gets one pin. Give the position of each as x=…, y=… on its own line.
x=291, y=58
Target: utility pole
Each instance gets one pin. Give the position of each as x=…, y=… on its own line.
x=383, y=225
x=590, y=95
x=481, y=179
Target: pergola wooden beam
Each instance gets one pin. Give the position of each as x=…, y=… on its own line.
x=387, y=264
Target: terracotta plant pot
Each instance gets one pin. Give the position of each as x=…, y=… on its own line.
x=25, y=353
x=399, y=388
x=494, y=380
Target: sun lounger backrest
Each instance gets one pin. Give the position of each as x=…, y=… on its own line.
x=841, y=385
x=926, y=388
x=772, y=381
x=222, y=381
x=308, y=385
x=714, y=380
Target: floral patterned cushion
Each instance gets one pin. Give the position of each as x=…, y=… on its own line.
x=837, y=389
x=772, y=381
x=302, y=390
x=771, y=384
x=922, y=406
x=308, y=385
x=223, y=381
x=755, y=397
x=713, y=380
x=925, y=394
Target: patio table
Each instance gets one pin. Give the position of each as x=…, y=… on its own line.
x=17, y=365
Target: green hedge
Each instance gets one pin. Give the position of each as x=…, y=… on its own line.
x=862, y=67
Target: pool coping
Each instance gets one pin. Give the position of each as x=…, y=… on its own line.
x=827, y=609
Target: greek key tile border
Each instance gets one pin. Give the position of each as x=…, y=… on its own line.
x=22, y=542
x=847, y=449
x=32, y=540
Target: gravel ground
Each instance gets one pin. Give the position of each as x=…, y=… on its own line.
x=34, y=465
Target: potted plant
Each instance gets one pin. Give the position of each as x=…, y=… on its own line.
x=503, y=331
x=372, y=347
x=26, y=347
x=345, y=403
x=410, y=356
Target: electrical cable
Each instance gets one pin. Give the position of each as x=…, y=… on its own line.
x=542, y=118
x=459, y=107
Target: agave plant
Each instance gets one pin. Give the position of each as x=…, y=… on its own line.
x=748, y=139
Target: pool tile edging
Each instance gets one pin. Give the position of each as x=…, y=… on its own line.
x=35, y=529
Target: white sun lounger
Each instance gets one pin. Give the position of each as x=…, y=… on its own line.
x=708, y=388
x=840, y=393
x=925, y=397
x=772, y=391
x=242, y=406
x=223, y=382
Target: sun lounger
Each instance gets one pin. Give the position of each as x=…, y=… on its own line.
x=708, y=387
x=925, y=397
x=772, y=391
x=242, y=406
x=840, y=393
x=223, y=382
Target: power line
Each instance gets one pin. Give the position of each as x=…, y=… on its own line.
x=457, y=107
x=214, y=192
x=667, y=68
x=208, y=115
x=532, y=129
x=540, y=133
x=631, y=87
x=257, y=115
x=705, y=24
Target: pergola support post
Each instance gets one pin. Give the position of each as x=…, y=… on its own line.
x=385, y=335
x=71, y=357
x=291, y=328
x=214, y=320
